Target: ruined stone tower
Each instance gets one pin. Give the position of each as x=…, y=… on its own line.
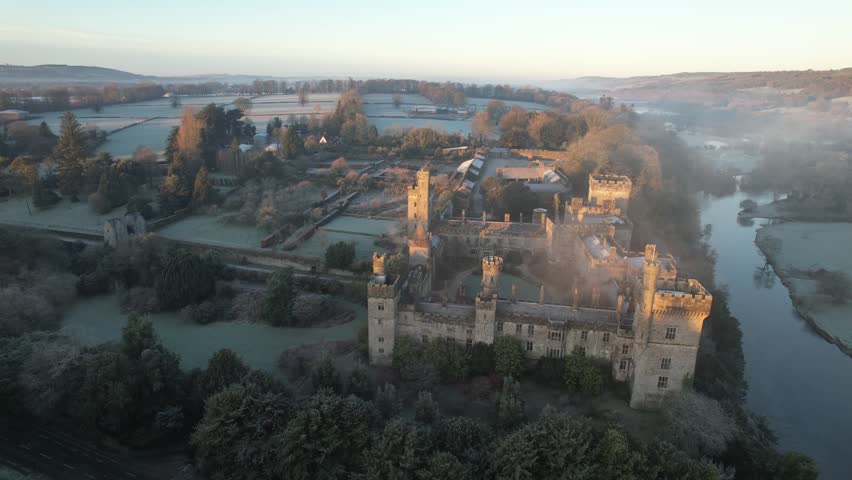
x=419, y=198
x=382, y=300
x=486, y=301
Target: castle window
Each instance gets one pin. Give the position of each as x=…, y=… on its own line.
x=469, y=332
x=424, y=338
x=584, y=335
x=554, y=335
x=666, y=364
x=378, y=321
x=530, y=329
x=380, y=306
x=581, y=351
x=554, y=352
x=499, y=326
x=468, y=342
x=529, y=346
x=381, y=350
x=473, y=251
x=670, y=333
x=381, y=339
x=606, y=337
x=622, y=365
x=625, y=349
x=663, y=382
x=519, y=328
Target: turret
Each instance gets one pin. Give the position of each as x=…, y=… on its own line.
x=382, y=300
x=491, y=267
x=419, y=198
x=650, y=272
x=486, y=301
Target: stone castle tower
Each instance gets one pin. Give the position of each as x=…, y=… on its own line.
x=486, y=301
x=382, y=301
x=419, y=199
x=610, y=188
x=667, y=328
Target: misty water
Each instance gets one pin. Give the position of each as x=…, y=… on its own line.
x=799, y=381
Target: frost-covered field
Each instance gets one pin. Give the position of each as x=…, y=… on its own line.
x=449, y=126
x=75, y=216
x=210, y=230
x=338, y=230
x=795, y=248
x=99, y=319
x=480, y=104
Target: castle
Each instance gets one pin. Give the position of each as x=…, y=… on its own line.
x=630, y=309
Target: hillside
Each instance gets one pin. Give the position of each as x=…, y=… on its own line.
x=732, y=89
x=14, y=74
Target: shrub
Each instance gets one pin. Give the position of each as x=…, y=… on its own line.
x=425, y=408
x=340, y=255
x=509, y=359
x=278, y=299
x=311, y=308
x=141, y=205
x=203, y=313
x=584, y=375
x=325, y=375
x=387, y=402
x=99, y=203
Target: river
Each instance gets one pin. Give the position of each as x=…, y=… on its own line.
x=800, y=382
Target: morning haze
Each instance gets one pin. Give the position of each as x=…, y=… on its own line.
x=440, y=240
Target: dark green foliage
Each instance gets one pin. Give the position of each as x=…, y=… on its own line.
x=426, y=409
x=185, y=279
x=550, y=371
x=69, y=154
x=467, y=438
x=142, y=206
x=359, y=383
x=554, y=446
x=400, y=450
x=482, y=361
x=279, y=297
x=510, y=406
x=509, y=357
x=205, y=312
x=449, y=359
x=616, y=458
x=326, y=437
x=292, y=144
x=224, y=368
x=797, y=466
x=720, y=365
x=236, y=437
x=340, y=255
x=201, y=188
x=387, y=402
x=585, y=375
x=43, y=197
x=324, y=375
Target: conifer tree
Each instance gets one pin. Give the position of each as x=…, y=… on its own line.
x=69, y=154
x=201, y=188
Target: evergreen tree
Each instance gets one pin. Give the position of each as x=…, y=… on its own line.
x=278, y=301
x=201, y=188
x=69, y=154
x=171, y=144
x=292, y=145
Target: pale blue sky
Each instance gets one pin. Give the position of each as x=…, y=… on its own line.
x=459, y=39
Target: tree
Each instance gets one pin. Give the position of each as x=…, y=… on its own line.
x=69, y=154
x=387, y=402
x=188, y=138
x=185, y=279
x=513, y=128
x=324, y=375
x=425, y=409
x=510, y=406
x=495, y=109
x=359, y=383
x=400, y=450
x=481, y=127
x=279, y=297
x=43, y=197
x=797, y=466
x=509, y=358
x=25, y=170
x=616, y=458
x=396, y=99
x=584, y=375
x=697, y=424
x=554, y=446
x=291, y=144
x=243, y=104
x=303, y=94
x=201, y=188
x=340, y=255
x=224, y=368
x=546, y=130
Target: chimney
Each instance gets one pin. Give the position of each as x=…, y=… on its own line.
x=507, y=217
x=463, y=217
x=619, y=306
x=541, y=294
x=484, y=219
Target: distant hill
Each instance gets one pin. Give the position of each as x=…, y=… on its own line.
x=39, y=74
x=20, y=75
x=723, y=89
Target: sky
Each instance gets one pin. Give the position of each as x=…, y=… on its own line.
x=430, y=39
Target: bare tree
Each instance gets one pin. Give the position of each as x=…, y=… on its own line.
x=303, y=94
x=397, y=100
x=189, y=134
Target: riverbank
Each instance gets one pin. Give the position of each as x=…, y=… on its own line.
x=794, y=211
x=799, y=253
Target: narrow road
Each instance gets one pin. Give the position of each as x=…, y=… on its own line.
x=60, y=456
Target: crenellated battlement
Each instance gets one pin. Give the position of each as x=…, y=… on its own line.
x=685, y=296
